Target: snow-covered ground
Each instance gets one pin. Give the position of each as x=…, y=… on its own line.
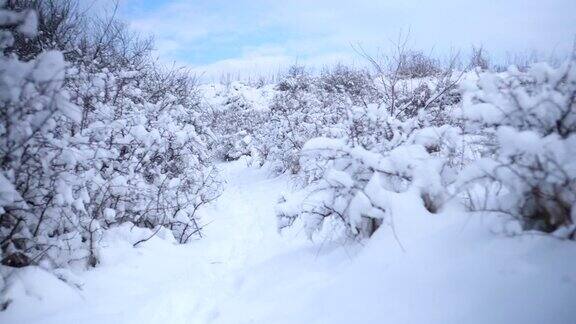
x=445, y=268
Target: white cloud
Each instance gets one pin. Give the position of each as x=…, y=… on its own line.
x=259, y=35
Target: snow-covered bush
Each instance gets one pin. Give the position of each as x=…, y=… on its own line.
x=399, y=138
x=397, y=144
x=528, y=170
x=341, y=81
x=293, y=118
x=521, y=124
x=348, y=184
x=235, y=115
x=479, y=59
x=406, y=94
x=415, y=64
x=156, y=170
x=33, y=101
x=272, y=124
x=308, y=106
x=104, y=138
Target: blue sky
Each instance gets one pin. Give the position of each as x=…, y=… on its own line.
x=261, y=36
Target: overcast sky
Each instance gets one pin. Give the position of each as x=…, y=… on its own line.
x=259, y=35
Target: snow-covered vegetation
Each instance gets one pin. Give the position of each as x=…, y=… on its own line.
x=121, y=178
x=93, y=136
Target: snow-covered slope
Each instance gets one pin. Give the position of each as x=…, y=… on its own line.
x=445, y=268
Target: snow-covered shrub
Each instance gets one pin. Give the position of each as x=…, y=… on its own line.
x=272, y=124
x=294, y=116
x=528, y=170
x=405, y=141
x=59, y=26
x=342, y=81
x=297, y=78
x=348, y=178
x=308, y=106
x=34, y=166
x=406, y=94
x=415, y=64
x=156, y=171
x=103, y=139
x=235, y=115
x=348, y=184
x=479, y=59
x=408, y=141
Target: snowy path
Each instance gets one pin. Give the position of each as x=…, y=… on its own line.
x=260, y=269
x=454, y=270
x=164, y=283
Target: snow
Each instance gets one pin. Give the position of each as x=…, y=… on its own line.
x=8, y=17
x=29, y=27
x=417, y=268
x=375, y=200
x=217, y=95
x=7, y=192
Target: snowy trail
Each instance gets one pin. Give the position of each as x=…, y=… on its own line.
x=259, y=269
x=164, y=283
x=454, y=270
